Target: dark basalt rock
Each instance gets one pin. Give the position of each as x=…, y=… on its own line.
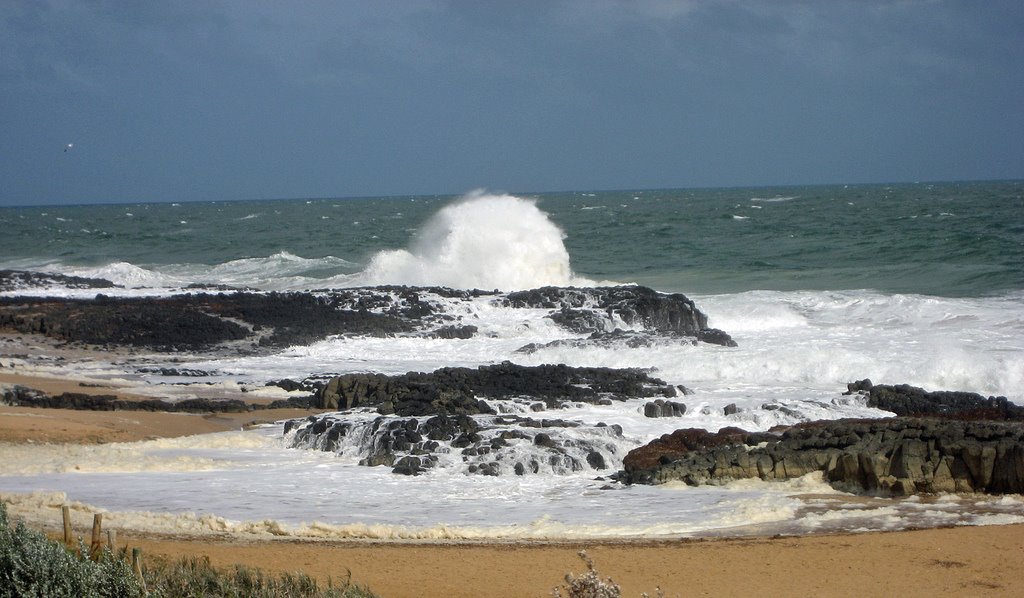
x=176, y=372
x=634, y=304
x=630, y=339
x=449, y=332
x=288, y=385
x=201, y=320
x=543, y=439
x=943, y=442
x=896, y=456
x=410, y=465
x=580, y=321
x=21, y=280
x=289, y=403
x=486, y=445
x=21, y=396
x=302, y=318
x=714, y=336
x=906, y=400
x=455, y=390
x=138, y=322
x=663, y=408
x=193, y=321
x=591, y=310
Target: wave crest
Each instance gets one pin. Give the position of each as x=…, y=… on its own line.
x=481, y=241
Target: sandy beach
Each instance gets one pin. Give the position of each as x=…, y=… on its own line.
x=968, y=561
x=976, y=561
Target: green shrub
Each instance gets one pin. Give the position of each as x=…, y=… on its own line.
x=33, y=565
x=195, y=578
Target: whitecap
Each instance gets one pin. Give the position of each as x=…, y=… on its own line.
x=480, y=241
x=776, y=199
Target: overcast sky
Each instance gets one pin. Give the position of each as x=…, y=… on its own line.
x=215, y=100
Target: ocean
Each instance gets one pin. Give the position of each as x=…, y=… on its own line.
x=820, y=286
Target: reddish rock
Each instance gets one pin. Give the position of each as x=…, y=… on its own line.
x=671, y=447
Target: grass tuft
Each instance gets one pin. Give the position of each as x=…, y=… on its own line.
x=588, y=584
x=196, y=577
x=33, y=565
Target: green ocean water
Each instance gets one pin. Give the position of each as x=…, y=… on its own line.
x=945, y=239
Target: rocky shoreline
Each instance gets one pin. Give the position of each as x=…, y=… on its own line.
x=942, y=442
x=483, y=419
x=249, y=321
x=22, y=396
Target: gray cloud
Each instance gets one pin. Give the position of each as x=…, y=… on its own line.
x=233, y=99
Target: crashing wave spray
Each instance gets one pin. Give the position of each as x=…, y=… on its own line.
x=481, y=241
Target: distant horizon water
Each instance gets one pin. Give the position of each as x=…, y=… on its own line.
x=101, y=202
x=952, y=239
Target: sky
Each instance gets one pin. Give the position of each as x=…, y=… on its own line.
x=249, y=99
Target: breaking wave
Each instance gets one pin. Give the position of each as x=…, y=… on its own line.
x=481, y=241
x=277, y=272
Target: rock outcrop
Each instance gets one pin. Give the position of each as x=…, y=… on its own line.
x=897, y=456
x=23, y=281
x=598, y=310
x=482, y=445
x=193, y=321
x=906, y=400
x=481, y=417
x=460, y=390
x=22, y=396
x=202, y=320
x=942, y=442
x=663, y=408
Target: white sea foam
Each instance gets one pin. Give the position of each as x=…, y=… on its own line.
x=994, y=519
x=186, y=454
x=336, y=501
x=43, y=509
x=776, y=199
x=322, y=498
x=127, y=275
x=280, y=271
x=277, y=272
x=481, y=241
x=799, y=338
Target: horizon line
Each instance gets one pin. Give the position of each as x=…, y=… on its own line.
x=515, y=193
